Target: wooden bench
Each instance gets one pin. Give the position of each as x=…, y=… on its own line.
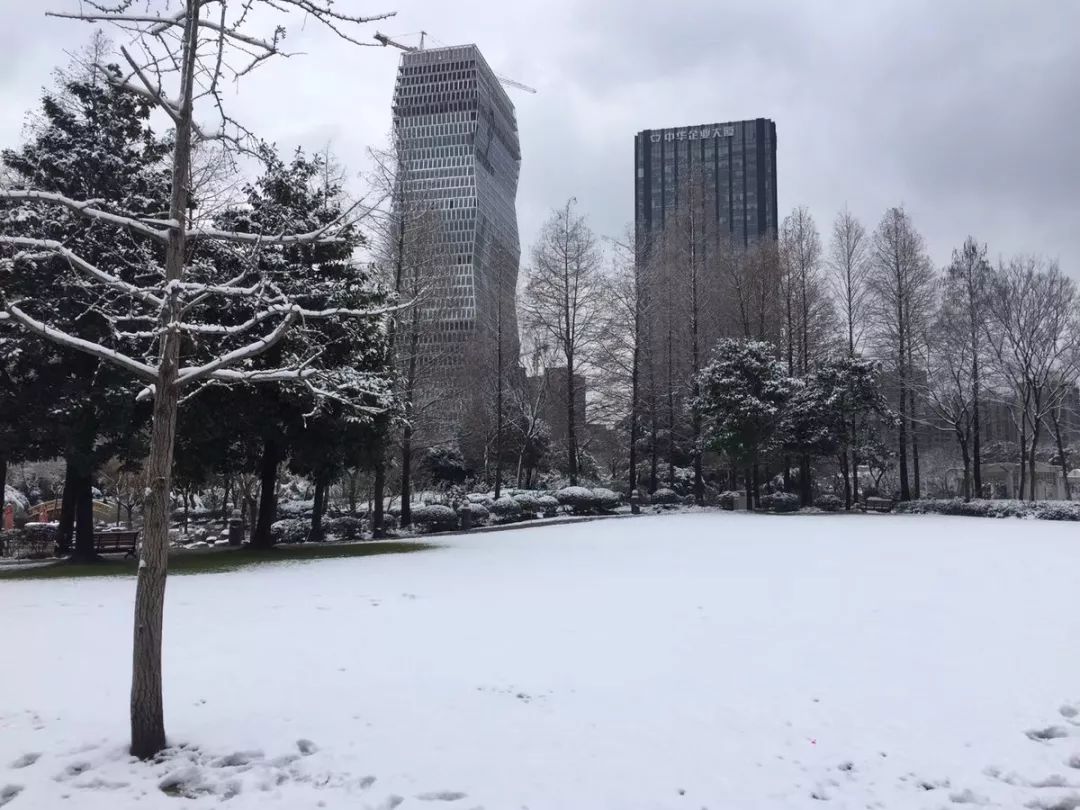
x=115, y=542
x=878, y=505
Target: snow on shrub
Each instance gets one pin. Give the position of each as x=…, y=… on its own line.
x=17, y=499
x=580, y=499
x=296, y=508
x=780, y=502
x=34, y=541
x=343, y=527
x=828, y=503
x=506, y=510
x=729, y=498
x=435, y=517
x=664, y=496
x=530, y=502
x=1043, y=510
x=289, y=530
x=607, y=500
x=481, y=498
x=478, y=513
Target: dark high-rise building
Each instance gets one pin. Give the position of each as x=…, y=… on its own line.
x=458, y=152
x=727, y=169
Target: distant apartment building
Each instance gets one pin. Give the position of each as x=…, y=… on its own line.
x=727, y=169
x=458, y=152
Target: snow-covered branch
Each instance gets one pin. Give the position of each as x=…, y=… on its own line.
x=141, y=370
x=85, y=208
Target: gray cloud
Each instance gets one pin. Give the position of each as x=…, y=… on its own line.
x=965, y=112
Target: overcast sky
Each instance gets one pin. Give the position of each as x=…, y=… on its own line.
x=967, y=112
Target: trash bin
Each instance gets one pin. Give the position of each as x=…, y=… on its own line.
x=236, y=531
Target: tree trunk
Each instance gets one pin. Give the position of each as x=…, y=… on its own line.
x=847, y=481
x=67, y=508
x=3, y=474
x=147, y=712
x=571, y=428
x=805, y=491
x=316, y=533
x=1055, y=418
x=1023, y=454
x=916, y=471
x=261, y=537
x=1036, y=429
x=406, y=475
x=966, y=456
x=749, y=481
x=976, y=429
x=84, y=519
x=378, y=496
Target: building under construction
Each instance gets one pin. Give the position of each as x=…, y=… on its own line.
x=457, y=144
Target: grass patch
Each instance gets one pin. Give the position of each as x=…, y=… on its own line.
x=214, y=561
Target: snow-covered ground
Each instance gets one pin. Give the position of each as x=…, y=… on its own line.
x=709, y=660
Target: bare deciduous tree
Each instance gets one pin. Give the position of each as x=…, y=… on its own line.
x=178, y=57
x=563, y=302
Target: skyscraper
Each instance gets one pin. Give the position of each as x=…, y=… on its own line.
x=731, y=166
x=457, y=142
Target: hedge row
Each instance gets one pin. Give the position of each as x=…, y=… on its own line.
x=1040, y=510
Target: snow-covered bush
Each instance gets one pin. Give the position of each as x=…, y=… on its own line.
x=506, y=510
x=434, y=518
x=664, y=496
x=780, y=502
x=32, y=542
x=289, y=530
x=15, y=498
x=343, y=527
x=530, y=502
x=607, y=500
x=579, y=499
x=295, y=508
x=481, y=498
x=478, y=513
x=828, y=503
x=729, y=498
x=1043, y=510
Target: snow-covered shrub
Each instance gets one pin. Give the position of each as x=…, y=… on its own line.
x=530, y=502
x=506, y=510
x=15, y=498
x=481, y=498
x=828, y=503
x=32, y=542
x=1057, y=510
x=289, y=530
x=664, y=496
x=343, y=527
x=295, y=508
x=780, y=502
x=729, y=498
x=607, y=500
x=434, y=518
x=579, y=499
x=478, y=513
x=549, y=504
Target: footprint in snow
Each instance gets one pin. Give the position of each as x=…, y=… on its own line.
x=307, y=747
x=442, y=796
x=1074, y=761
x=1047, y=734
x=8, y=793
x=966, y=796
x=26, y=760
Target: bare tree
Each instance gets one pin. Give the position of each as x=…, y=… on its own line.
x=849, y=265
x=966, y=284
x=1032, y=332
x=900, y=284
x=563, y=301
x=178, y=58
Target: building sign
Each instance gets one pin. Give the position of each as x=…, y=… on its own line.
x=693, y=134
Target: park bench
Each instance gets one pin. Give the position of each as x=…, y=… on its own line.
x=878, y=504
x=115, y=542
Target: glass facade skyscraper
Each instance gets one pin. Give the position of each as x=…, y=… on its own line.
x=731, y=166
x=458, y=152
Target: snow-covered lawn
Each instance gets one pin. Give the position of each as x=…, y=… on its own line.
x=709, y=660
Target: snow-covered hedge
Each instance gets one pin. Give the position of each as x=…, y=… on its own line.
x=343, y=527
x=32, y=542
x=295, y=508
x=435, y=518
x=536, y=503
x=506, y=510
x=780, y=502
x=729, y=498
x=829, y=503
x=478, y=513
x=664, y=496
x=16, y=498
x=579, y=499
x=1042, y=510
x=481, y=498
x=607, y=500
x=289, y=530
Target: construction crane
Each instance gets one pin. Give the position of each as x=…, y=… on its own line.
x=386, y=41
